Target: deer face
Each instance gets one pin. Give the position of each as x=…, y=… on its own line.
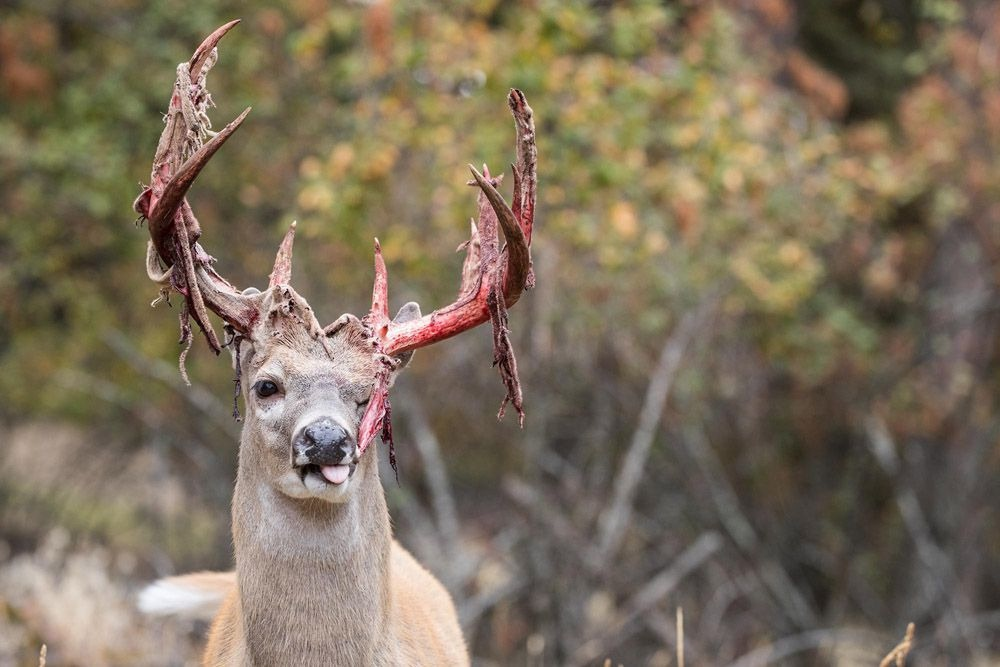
x=306, y=391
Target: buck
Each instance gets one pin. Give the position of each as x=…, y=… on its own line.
x=319, y=578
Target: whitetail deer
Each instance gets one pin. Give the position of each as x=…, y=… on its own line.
x=319, y=578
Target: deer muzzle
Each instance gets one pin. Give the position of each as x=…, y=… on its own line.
x=324, y=446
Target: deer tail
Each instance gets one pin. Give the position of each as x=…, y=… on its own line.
x=196, y=596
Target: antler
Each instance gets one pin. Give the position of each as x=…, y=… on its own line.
x=492, y=279
x=173, y=229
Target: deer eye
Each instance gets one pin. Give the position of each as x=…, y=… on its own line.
x=265, y=388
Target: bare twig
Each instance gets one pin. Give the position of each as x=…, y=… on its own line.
x=941, y=575
x=680, y=636
x=472, y=609
x=884, y=449
x=657, y=588
x=98, y=387
x=648, y=597
x=902, y=649
x=92, y=385
x=727, y=505
x=197, y=396
x=556, y=523
x=665, y=627
x=715, y=607
x=442, y=500
x=424, y=539
x=615, y=519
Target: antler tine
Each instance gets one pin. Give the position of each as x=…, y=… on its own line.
x=174, y=230
x=153, y=270
x=204, y=50
x=514, y=270
x=496, y=284
x=518, y=255
x=282, y=272
x=162, y=215
x=471, y=265
x=525, y=170
x=378, y=316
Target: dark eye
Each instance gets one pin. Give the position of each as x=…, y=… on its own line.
x=265, y=388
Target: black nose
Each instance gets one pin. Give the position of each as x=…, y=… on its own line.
x=324, y=443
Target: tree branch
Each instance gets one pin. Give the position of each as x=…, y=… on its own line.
x=616, y=518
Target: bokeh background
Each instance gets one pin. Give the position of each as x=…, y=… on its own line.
x=760, y=364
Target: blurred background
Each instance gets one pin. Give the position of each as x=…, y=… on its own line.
x=760, y=365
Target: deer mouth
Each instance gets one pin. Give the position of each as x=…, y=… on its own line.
x=335, y=474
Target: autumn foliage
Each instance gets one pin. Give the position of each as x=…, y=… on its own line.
x=766, y=248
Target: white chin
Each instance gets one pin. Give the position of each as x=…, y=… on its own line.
x=314, y=485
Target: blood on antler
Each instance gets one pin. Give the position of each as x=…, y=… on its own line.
x=174, y=259
x=492, y=279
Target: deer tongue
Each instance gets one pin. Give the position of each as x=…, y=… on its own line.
x=336, y=474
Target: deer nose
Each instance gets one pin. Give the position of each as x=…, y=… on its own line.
x=323, y=442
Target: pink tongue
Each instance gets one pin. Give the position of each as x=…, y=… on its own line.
x=335, y=474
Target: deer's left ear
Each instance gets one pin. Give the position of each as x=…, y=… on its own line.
x=409, y=312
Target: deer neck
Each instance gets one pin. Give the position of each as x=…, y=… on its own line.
x=313, y=576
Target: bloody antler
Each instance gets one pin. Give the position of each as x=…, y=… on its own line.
x=492, y=279
x=175, y=260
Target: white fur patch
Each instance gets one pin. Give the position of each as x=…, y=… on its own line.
x=179, y=596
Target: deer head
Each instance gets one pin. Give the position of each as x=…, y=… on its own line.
x=316, y=395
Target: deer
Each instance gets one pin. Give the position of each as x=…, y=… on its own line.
x=319, y=578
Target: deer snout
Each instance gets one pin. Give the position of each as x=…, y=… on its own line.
x=324, y=442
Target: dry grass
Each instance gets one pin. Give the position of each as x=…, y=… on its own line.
x=76, y=603
x=94, y=513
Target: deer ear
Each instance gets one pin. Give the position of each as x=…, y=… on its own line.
x=409, y=312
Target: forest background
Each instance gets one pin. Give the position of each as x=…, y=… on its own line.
x=760, y=363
